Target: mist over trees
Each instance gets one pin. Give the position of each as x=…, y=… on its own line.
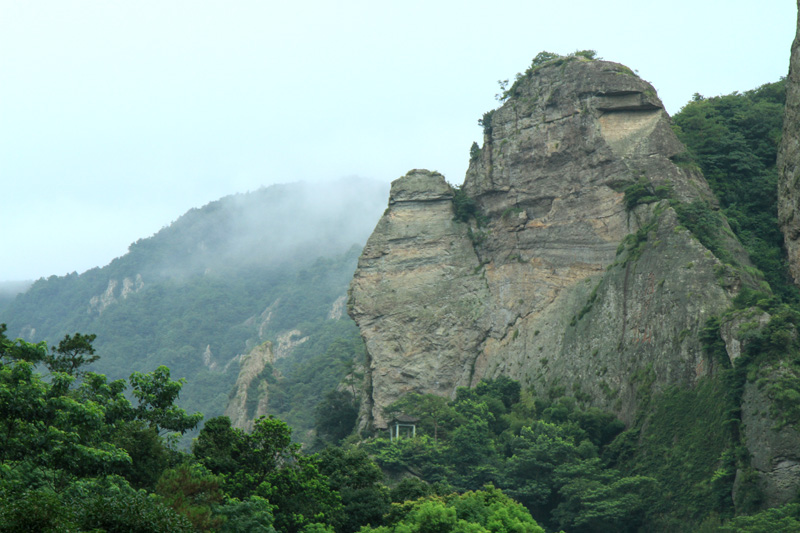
x=218, y=281
x=271, y=227
x=10, y=289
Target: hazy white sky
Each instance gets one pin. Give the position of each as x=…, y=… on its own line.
x=117, y=117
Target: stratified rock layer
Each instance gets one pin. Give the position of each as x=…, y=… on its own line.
x=789, y=162
x=543, y=291
x=416, y=297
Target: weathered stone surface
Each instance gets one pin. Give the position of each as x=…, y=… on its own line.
x=607, y=333
x=288, y=341
x=248, y=383
x=99, y=303
x=442, y=304
x=414, y=289
x=337, y=309
x=789, y=162
x=592, y=123
x=562, y=286
x=774, y=450
x=208, y=359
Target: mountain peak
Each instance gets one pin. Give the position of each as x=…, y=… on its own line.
x=557, y=273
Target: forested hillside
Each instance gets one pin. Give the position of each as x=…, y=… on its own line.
x=734, y=140
x=218, y=281
x=9, y=290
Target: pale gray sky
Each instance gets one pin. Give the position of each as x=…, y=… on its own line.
x=117, y=117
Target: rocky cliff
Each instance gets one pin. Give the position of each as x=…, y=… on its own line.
x=789, y=162
x=576, y=275
x=249, y=401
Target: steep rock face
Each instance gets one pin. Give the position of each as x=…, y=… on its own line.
x=542, y=290
x=415, y=296
x=789, y=162
x=775, y=454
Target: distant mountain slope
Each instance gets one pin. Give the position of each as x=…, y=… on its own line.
x=9, y=291
x=218, y=281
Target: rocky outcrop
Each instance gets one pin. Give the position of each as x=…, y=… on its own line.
x=288, y=341
x=789, y=162
x=337, y=308
x=773, y=447
x=208, y=359
x=250, y=392
x=101, y=302
x=561, y=282
x=131, y=285
x=417, y=295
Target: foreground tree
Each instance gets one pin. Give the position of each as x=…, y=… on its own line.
x=157, y=394
x=265, y=463
x=67, y=447
x=359, y=482
x=483, y=511
x=72, y=353
x=336, y=415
